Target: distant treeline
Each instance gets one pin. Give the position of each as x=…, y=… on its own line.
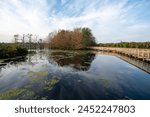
x=126, y=44
x=79, y=38
x=11, y=50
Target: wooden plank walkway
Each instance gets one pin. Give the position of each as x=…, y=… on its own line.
x=140, y=54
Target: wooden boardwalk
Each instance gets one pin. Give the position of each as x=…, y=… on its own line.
x=140, y=54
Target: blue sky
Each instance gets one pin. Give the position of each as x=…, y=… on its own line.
x=110, y=20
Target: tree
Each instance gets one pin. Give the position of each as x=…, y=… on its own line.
x=88, y=38
x=79, y=38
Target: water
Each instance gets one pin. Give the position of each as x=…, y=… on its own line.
x=73, y=75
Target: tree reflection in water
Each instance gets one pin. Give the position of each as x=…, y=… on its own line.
x=79, y=60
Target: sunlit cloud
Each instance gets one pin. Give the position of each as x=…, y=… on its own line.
x=110, y=21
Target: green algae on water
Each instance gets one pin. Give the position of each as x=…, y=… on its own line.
x=11, y=94
x=49, y=84
x=36, y=80
x=39, y=73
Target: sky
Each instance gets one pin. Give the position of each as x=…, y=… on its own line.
x=109, y=20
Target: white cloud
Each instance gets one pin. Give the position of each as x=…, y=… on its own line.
x=17, y=17
x=110, y=22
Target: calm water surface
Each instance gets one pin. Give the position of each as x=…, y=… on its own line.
x=72, y=75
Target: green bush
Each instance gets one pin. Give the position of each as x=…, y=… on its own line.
x=126, y=45
x=11, y=50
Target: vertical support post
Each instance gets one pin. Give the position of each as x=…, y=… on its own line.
x=23, y=40
x=30, y=37
x=40, y=41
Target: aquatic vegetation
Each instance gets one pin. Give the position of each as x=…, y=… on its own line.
x=49, y=84
x=56, y=77
x=36, y=80
x=37, y=77
x=27, y=95
x=39, y=73
x=52, y=82
x=20, y=93
x=11, y=94
x=28, y=86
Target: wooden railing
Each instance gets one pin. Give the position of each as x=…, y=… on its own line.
x=141, y=54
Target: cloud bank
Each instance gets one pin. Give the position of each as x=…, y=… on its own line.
x=110, y=20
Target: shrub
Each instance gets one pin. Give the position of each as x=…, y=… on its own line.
x=79, y=38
